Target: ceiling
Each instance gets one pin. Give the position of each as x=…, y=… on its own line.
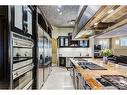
x=107, y=18
x=61, y=16
x=121, y=31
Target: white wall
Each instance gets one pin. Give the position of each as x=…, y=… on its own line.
x=74, y=52
x=104, y=42
x=116, y=48
x=61, y=32
x=70, y=52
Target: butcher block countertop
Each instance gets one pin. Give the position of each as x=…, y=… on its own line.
x=91, y=75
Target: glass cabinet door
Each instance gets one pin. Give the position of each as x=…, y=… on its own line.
x=61, y=41
x=27, y=20
x=18, y=17
x=66, y=41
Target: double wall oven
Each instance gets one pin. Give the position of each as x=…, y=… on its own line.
x=22, y=45
x=22, y=50
x=25, y=47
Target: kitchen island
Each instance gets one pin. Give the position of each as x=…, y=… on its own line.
x=90, y=76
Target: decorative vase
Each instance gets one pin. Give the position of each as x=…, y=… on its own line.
x=105, y=59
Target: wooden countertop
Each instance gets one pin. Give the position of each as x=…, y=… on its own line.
x=90, y=75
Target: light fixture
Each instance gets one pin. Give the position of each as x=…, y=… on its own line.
x=95, y=23
x=60, y=13
x=117, y=42
x=110, y=11
x=58, y=9
x=59, y=6
x=101, y=42
x=71, y=22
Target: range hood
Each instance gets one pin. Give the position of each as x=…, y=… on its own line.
x=86, y=13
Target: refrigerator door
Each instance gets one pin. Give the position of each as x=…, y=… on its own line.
x=40, y=54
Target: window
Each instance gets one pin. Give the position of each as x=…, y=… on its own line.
x=123, y=41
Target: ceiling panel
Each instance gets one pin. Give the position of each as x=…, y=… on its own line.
x=52, y=13
x=121, y=31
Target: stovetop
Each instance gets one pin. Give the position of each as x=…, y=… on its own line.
x=118, y=81
x=103, y=82
x=93, y=66
x=80, y=59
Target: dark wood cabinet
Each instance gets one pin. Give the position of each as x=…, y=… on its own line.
x=63, y=41
x=62, y=61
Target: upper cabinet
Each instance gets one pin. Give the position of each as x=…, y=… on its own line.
x=22, y=20
x=63, y=41
x=67, y=41
x=27, y=20
x=18, y=13
x=17, y=18
x=44, y=24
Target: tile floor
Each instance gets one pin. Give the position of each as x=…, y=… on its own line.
x=59, y=79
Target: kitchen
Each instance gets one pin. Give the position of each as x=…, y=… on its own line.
x=67, y=40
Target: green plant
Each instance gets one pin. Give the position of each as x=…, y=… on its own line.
x=106, y=52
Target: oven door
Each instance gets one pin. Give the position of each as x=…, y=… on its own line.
x=24, y=81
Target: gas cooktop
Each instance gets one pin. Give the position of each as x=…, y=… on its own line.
x=118, y=81
x=93, y=66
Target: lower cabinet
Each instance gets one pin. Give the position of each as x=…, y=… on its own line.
x=62, y=61
x=78, y=81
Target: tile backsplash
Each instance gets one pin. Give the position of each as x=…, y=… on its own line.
x=74, y=52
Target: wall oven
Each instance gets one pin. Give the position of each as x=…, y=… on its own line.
x=22, y=67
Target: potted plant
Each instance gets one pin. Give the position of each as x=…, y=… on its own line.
x=105, y=53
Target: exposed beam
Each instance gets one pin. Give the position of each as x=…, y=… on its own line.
x=103, y=25
x=123, y=22
x=122, y=10
x=99, y=15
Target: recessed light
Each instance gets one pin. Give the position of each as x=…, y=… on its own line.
x=110, y=11
x=60, y=13
x=59, y=6
x=71, y=22
x=58, y=9
x=95, y=23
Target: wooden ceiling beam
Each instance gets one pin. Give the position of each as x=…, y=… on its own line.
x=111, y=18
x=99, y=15
x=123, y=22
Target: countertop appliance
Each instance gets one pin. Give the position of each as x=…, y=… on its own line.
x=105, y=84
x=91, y=66
x=118, y=81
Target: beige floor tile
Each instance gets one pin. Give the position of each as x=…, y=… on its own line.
x=59, y=79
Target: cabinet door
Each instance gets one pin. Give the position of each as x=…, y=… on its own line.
x=17, y=19
x=61, y=41
x=27, y=20
x=66, y=41
x=83, y=43
x=62, y=61
x=18, y=14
